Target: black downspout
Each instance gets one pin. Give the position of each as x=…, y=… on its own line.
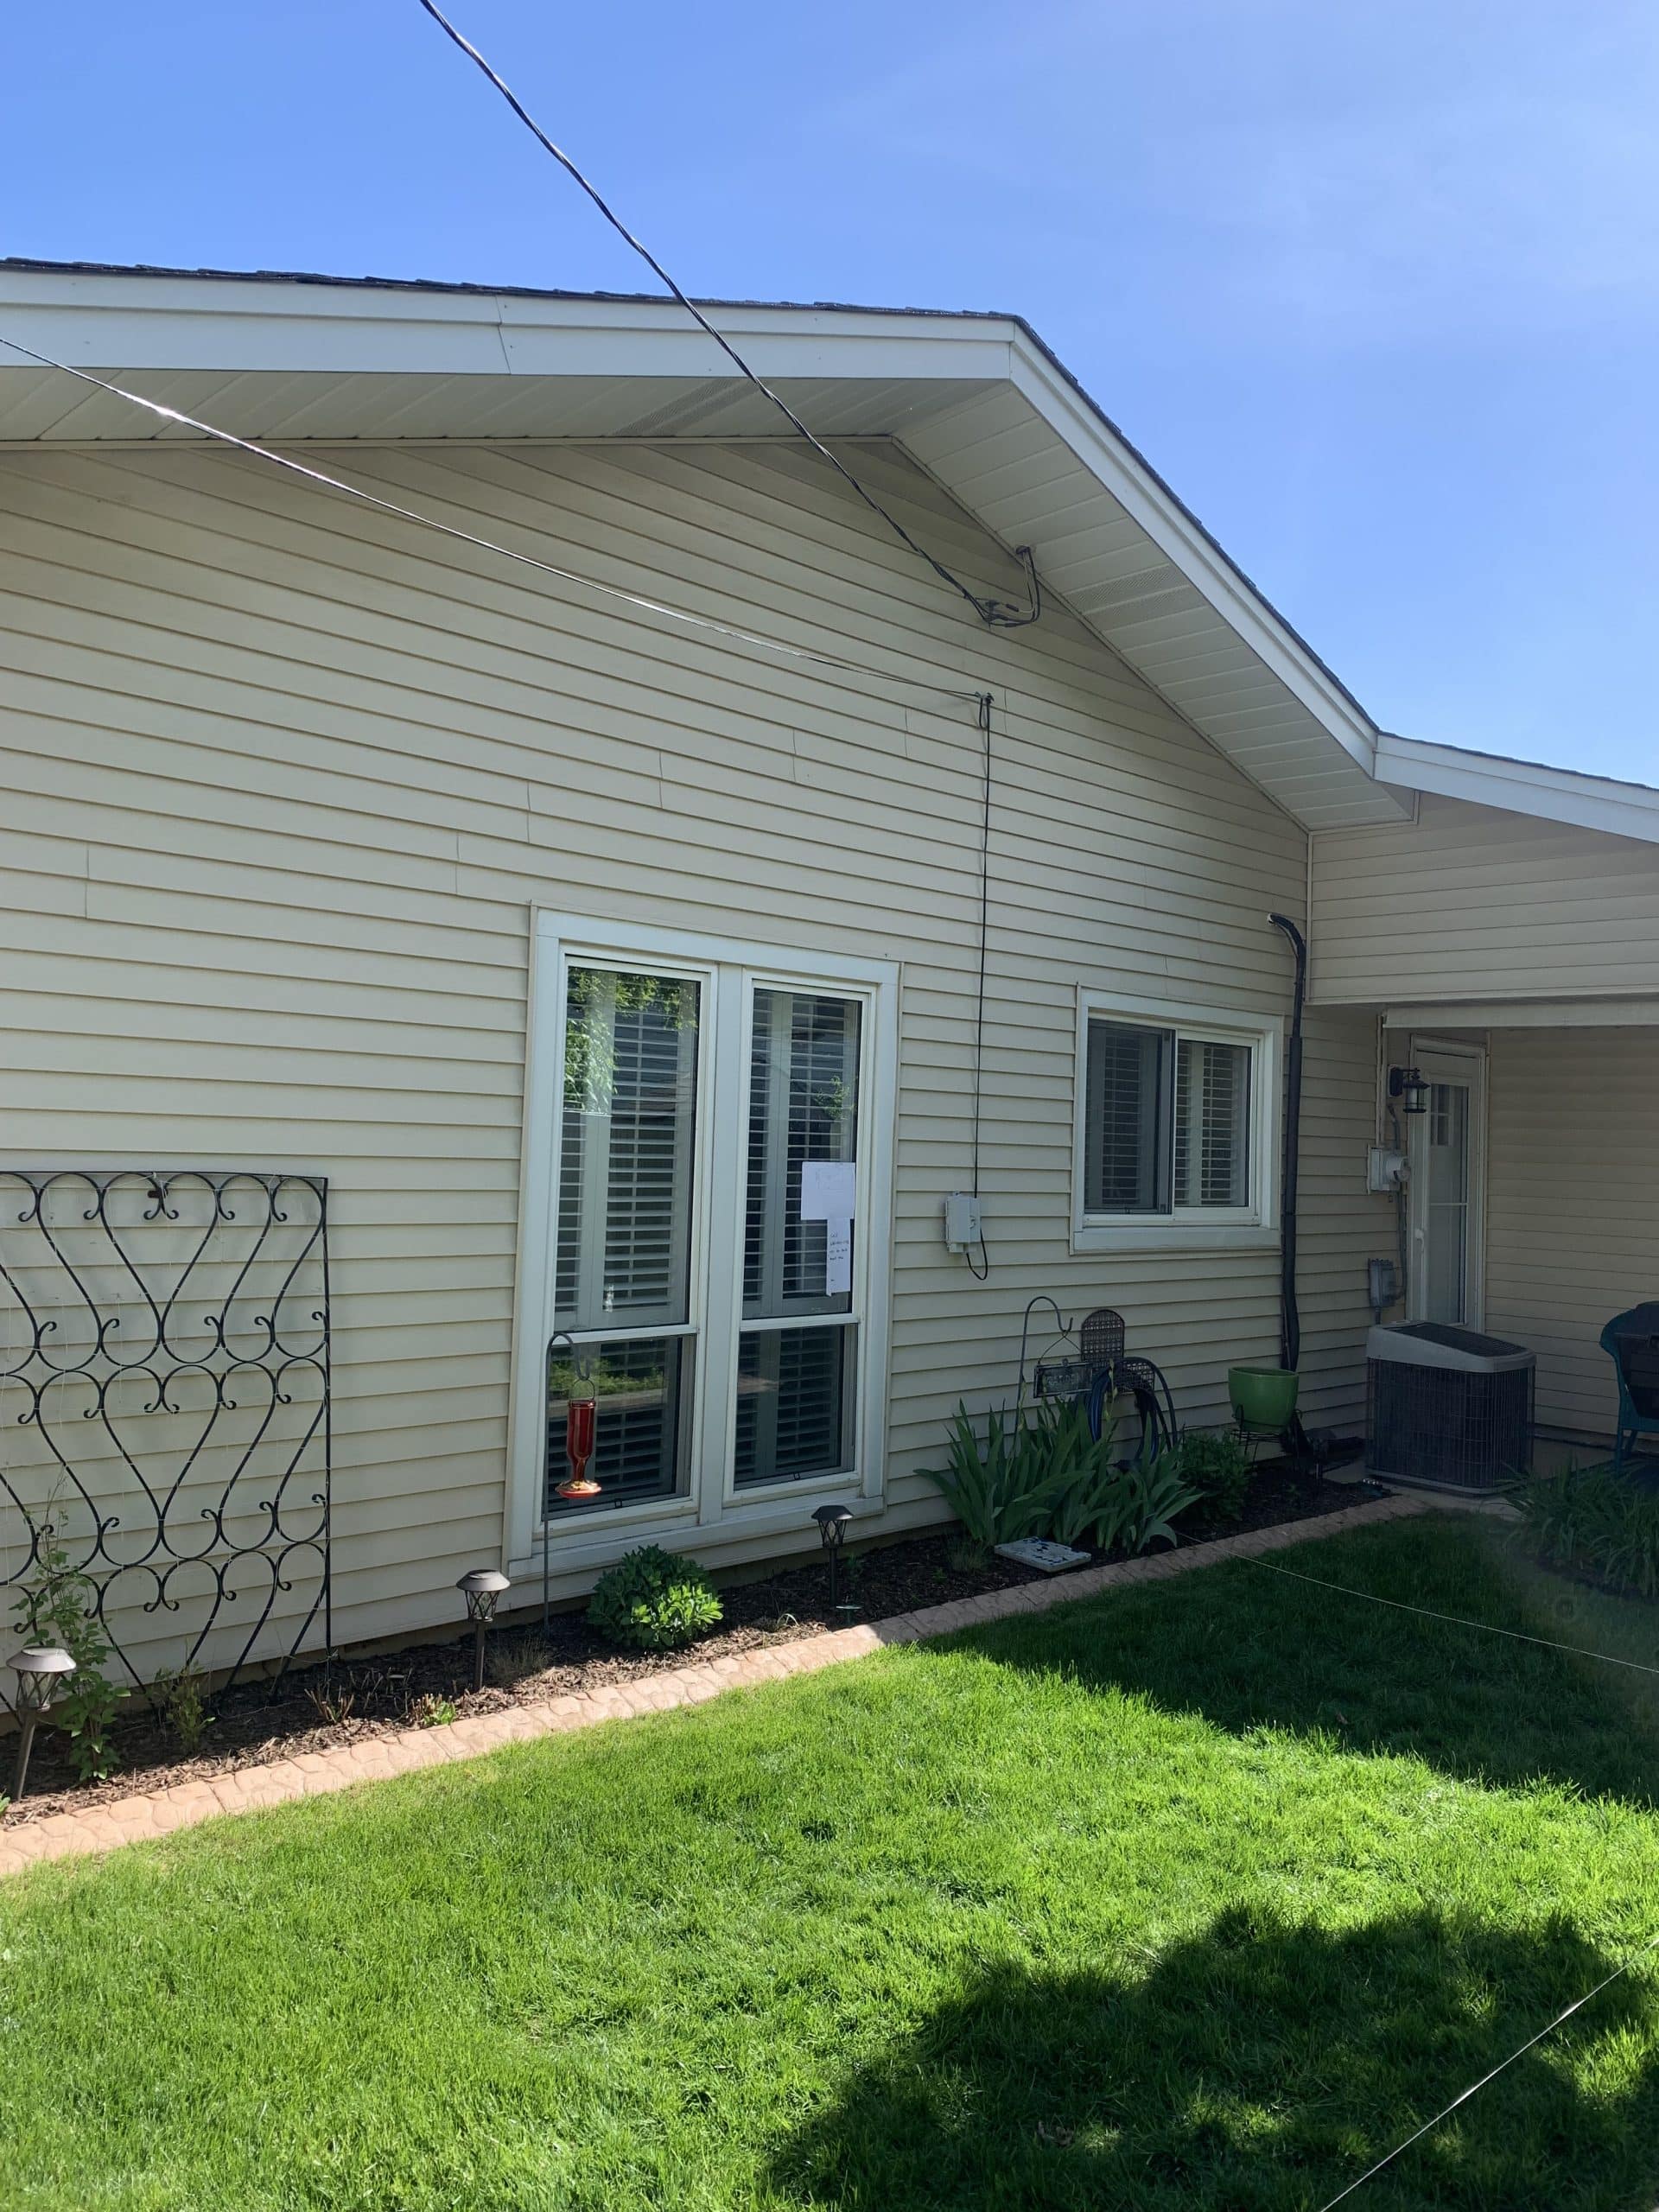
x=1290, y=1321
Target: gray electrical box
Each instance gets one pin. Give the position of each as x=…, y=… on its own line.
x=964, y=1223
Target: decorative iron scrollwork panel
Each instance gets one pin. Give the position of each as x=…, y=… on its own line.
x=165, y=1418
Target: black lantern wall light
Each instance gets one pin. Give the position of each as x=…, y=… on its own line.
x=1406, y=1085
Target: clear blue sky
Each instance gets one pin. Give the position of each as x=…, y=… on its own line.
x=1376, y=288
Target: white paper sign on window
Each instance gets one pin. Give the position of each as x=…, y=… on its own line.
x=829, y=1191
x=838, y=1258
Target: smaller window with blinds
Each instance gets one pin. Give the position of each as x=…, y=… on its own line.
x=1173, y=1124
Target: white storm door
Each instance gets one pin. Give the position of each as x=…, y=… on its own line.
x=1447, y=1148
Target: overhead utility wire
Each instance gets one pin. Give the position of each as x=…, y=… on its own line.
x=1577, y=2006
x=805, y=653
x=1000, y=614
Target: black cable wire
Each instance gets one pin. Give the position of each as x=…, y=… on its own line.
x=1000, y=614
x=633, y=599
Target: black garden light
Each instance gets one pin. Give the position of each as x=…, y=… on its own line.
x=832, y=1521
x=482, y=1587
x=1407, y=1083
x=42, y=1672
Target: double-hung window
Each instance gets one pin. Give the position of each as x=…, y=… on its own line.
x=1176, y=1113
x=708, y=1142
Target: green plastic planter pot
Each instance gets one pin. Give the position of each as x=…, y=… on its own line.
x=1263, y=1398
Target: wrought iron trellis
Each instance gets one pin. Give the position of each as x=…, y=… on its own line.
x=165, y=1414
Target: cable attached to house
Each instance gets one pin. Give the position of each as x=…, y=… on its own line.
x=1457, y=1620
x=997, y=614
x=636, y=600
x=1417, y=2134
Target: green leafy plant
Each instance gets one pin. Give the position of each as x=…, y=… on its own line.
x=1075, y=1472
x=58, y=1606
x=1002, y=1486
x=1597, y=1522
x=433, y=1712
x=1218, y=1465
x=1154, y=1491
x=179, y=1695
x=653, y=1600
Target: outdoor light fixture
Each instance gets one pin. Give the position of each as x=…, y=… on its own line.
x=42, y=1672
x=832, y=1535
x=1407, y=1083
x=481, y=1586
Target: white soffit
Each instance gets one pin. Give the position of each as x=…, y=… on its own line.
x=1588, y=1012
x=976, y=400
x=1521, y=786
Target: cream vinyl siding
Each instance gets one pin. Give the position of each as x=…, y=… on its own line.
x=1573, y=1205
x=1474, y=903
x=285, y=777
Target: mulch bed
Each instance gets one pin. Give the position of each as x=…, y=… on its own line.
x=361, y=1698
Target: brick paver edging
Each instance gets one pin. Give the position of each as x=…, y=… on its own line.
x=129, y=1819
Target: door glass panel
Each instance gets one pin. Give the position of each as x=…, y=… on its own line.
x=627, y=1131
x=1446, y=1204
x=642, y=1387
x=794, y=1413
x=795, y=1389
x=626, y=1142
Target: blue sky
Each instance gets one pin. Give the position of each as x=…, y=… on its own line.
x=1376, y=287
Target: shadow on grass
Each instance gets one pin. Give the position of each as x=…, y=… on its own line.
x=1251, y=1648
x=1259, y=2067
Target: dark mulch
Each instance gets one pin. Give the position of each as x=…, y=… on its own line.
x=364, y=1697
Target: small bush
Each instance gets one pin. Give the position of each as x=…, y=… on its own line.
x=653, y=1600
x=1218, y=1465
x=179, y=1697
x=433, y=1712
x=1599, y=1523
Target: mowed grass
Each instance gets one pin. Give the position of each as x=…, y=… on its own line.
x=1201, y=1895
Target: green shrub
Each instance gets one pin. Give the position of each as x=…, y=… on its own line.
x=977, y=1479
x=1041, y=1474
x=178, y=1696
x=653, y=1600
x=1599, y=1523
x=58, y=1606
x=1217, y=1464
x=1007, y=1486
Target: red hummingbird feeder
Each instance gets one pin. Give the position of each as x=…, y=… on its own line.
x=579, y=1414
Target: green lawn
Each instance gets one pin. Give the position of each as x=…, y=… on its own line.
x=1201, y=1895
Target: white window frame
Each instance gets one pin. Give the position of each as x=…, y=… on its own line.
x=1185, y=1229
x=729, y=972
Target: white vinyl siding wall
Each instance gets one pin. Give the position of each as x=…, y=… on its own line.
x=1474, y=903
x=1573, y=1205
x=285, y=778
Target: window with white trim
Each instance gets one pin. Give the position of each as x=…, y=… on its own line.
x=706, y=1250
x=1175, y=1116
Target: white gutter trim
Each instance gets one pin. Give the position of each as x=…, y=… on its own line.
x=1520, y=787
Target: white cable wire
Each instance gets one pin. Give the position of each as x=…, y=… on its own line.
x=1417, y=2135
x=486, y=544
x=1459, y=1620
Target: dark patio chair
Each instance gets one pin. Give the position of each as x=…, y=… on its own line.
x=1632, y=1342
